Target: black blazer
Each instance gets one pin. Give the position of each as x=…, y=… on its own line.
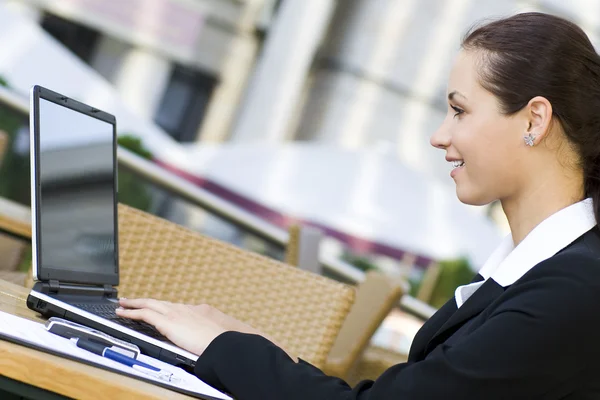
x=536, y=339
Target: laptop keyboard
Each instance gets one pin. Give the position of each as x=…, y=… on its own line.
x=107, y=311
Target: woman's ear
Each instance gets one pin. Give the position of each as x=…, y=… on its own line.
x=539, y=115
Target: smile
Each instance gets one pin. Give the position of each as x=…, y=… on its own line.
x=457, y=167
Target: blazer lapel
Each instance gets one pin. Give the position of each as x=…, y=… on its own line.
x=478, y=301
x=429, y=329
x=433, y=325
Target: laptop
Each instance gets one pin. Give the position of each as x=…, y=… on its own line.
x=75, y=257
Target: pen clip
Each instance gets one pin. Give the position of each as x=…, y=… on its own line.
x=162, y=375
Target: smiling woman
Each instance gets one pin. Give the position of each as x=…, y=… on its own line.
x=522, y=128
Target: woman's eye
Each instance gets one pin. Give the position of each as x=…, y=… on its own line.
x=457, y=111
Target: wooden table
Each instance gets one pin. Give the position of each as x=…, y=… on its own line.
x=38, y=375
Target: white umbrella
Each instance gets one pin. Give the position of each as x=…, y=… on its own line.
x=364, y=194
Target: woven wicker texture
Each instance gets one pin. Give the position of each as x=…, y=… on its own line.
x=374, y=362
x=300, y=310
x=376, y=297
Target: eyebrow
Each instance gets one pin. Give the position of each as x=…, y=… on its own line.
x=454, y=94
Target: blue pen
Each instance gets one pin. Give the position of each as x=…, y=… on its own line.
x=102, y=350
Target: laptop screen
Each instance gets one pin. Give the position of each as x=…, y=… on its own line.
x=76, y=197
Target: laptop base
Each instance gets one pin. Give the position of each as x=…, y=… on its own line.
x=48, y=309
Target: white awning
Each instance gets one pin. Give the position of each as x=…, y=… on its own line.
x=365, y=194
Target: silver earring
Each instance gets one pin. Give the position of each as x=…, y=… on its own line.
x=529, y=139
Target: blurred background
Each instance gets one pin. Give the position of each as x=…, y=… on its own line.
x=312, y=113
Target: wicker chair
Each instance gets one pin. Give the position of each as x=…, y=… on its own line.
x=375, y=298
x=302, y=311
x=162, y=260
x=374, y=362
x=352, y=358
x=292, y=250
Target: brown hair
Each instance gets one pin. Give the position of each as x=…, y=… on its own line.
x=536, y=54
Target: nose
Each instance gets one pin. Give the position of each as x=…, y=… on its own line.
x=441, y=138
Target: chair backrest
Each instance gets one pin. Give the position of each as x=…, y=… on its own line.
x=292, y=250
x=375, y=298
x=302, y=311
x=429, y=282
x=302, y=248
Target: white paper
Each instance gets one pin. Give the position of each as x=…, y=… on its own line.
x=36, y=333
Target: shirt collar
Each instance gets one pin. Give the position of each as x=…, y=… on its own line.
x=508, y=263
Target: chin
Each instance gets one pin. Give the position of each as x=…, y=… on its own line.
x=472, y=197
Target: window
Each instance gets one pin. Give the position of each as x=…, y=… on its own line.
x=78, y=38
x=184, y=103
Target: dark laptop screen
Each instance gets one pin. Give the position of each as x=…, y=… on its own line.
x=76, y=178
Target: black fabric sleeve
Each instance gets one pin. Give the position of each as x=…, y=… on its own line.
x=250, y=367
x=536, y=344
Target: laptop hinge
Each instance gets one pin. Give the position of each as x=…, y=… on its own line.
x=109, y=291
x=54, y=285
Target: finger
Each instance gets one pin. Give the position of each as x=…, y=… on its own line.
x=147, y=315
x=161, y=307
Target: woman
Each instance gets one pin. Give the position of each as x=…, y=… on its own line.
x=523, y=126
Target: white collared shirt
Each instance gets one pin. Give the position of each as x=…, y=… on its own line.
x=508, y=263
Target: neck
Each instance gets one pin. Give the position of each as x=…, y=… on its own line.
x=526, y=211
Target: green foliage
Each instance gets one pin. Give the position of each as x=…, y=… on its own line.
x=134, y=144
x=415, y=284
x=362, y=263
x=4, y=82
x=453, y=273
x=14, y=168
x=25, y=264
x=132, y=190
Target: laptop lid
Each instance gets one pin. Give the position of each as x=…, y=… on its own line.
x=73, y=191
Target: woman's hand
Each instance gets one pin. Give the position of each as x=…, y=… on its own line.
x=192, y=328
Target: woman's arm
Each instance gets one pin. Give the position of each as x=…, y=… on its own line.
x=251, y=367
x=537, y=344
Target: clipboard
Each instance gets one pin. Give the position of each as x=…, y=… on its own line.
x=35, y=336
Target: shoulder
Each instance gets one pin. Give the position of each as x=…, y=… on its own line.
x=576, y=266
x=568, y=284
x=558, y=300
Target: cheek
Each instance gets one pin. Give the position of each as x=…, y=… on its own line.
x=495, y=155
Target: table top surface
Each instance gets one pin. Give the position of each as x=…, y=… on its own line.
x=66, y=377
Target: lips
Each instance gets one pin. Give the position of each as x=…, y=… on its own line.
x=457, y=166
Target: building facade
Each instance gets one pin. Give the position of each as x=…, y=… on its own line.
x=182, y=63
x=380, y=77
x=352, y=73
